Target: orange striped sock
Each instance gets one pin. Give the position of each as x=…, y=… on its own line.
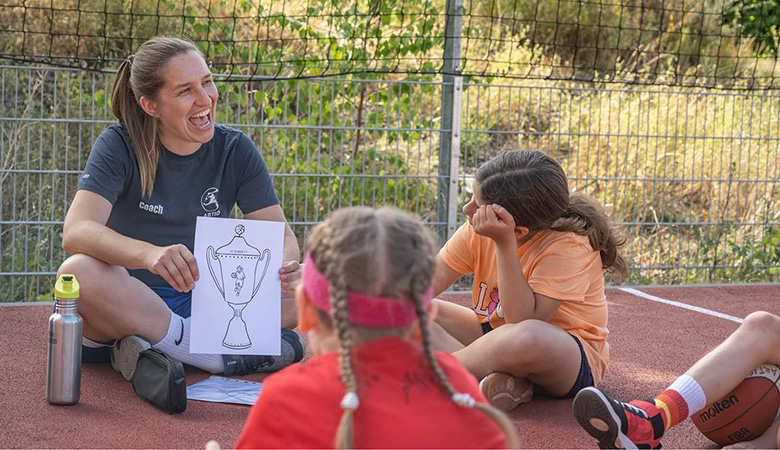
x=681, y=399
x=673, y=408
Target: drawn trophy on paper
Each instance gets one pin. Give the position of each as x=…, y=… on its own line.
x=238, y=282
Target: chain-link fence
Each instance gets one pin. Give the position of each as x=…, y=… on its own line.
x=691, y=174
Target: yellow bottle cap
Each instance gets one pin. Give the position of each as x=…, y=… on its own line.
x=66, y=287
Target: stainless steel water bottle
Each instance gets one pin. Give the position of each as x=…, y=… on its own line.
x=63, y=385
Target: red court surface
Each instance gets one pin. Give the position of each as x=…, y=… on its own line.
x=652, y=343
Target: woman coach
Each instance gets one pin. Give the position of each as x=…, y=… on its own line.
x=130, y=229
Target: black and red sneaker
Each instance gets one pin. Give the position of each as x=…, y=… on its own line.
x=634, y=425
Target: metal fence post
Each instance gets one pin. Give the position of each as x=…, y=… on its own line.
x=451, y=102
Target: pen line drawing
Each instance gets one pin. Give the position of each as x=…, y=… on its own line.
x=237, y=261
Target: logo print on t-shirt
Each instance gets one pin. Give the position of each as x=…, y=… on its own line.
x=493, y=305
x=209, y=200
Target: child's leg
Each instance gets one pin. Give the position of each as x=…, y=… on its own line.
x=455, y=326
x=770, y=439
x=755, y=342
x=543, y=354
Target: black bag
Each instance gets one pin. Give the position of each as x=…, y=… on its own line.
x=159, y=379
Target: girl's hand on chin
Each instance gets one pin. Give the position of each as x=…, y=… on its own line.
x=495, y=222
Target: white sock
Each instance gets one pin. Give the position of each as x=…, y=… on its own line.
x=176, y=343
x=691, y=393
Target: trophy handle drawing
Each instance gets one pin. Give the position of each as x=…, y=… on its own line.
x=211, y=254
x=267, y=257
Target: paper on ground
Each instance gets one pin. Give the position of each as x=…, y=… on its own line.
x=225, y=390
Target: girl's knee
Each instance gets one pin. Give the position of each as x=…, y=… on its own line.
x=762, y=322
x=525, y=338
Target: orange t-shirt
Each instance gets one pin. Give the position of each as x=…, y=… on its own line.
x=401, y=403
x=559, y=265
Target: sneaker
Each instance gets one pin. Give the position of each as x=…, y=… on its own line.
x=615, y=424
x=505, y=391
x=293, y=349
x=124, y=355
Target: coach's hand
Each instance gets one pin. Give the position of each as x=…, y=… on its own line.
x=176, y=264
x=290, y=277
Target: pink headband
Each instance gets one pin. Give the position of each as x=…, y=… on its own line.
x=384, y=312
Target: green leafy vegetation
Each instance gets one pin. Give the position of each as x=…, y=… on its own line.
x=692, y=172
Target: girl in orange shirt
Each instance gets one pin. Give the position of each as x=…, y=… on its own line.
x=365, y=301
x=538, y=255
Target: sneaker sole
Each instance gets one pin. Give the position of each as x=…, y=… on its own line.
x=505, y=401
x=125, y=359
x=591, y=404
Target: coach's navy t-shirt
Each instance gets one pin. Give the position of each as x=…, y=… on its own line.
x=225, y=171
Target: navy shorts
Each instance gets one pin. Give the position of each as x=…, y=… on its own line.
x=584, y=378
x=178, y=302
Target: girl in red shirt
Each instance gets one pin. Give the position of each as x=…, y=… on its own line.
x=365, y=302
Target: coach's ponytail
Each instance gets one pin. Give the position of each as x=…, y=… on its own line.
x=138, y=76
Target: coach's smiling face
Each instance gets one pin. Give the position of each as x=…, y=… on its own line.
x=185, y=105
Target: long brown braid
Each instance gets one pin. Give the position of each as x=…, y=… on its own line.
x=354, y=249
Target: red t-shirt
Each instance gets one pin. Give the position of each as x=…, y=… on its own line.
x=401, y=403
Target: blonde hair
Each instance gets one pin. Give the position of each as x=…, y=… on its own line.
x=381, y=253
x=138, y=76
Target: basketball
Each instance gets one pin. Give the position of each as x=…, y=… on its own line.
x=745, y=412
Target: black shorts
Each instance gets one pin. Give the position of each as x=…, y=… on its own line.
x=584, y=378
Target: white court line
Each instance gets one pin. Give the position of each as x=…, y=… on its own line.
x=681, y=305
x=26, y=304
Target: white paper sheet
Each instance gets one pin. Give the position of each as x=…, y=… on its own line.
x=225, y=390
x=236, y=305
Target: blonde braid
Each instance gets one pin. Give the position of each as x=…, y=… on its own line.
x=501, y=419
x=333, y=243
x=338, y=306
x=413, y=251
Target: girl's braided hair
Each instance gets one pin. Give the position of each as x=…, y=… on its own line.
x=383, y=253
